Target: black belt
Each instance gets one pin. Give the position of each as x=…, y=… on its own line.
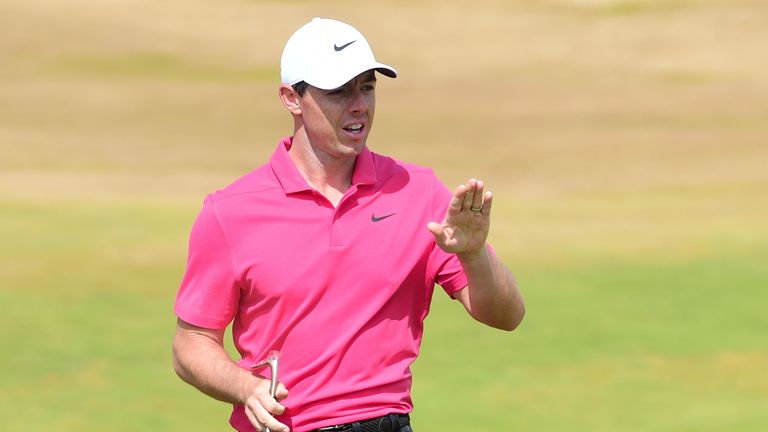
x=387, y=423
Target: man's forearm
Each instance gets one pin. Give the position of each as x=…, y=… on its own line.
x=494, y=298
x=203, y=363
x=199, y=358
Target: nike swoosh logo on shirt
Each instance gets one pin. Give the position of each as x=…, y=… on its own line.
x=377, y=219
x=339, y=48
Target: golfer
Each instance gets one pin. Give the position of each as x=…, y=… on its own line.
x=329, y=254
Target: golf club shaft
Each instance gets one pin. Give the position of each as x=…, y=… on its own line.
x=271, y=361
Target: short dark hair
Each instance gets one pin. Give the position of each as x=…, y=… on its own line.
x=300, y=87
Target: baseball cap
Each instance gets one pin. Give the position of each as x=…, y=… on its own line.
x=326, y=54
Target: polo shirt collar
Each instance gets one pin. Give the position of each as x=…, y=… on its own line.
x=365, y=169
x=292, y=181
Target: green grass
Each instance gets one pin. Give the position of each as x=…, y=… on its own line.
x=605, y=346
x=91, y=287
x=624, y=141
x=609, y=347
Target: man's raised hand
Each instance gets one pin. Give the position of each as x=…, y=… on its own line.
x=467, y=220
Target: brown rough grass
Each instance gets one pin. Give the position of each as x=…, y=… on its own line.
x=617, y=126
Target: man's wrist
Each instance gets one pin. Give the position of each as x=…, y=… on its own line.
x=248, y=384
x=469, y=258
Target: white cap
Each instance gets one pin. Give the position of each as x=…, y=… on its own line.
x=326, y=54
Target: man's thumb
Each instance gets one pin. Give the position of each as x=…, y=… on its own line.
x=436, y=229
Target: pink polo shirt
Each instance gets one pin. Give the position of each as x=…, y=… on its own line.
x=341, y=292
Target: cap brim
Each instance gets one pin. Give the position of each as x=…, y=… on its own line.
x=386, y=70
x=330, y=84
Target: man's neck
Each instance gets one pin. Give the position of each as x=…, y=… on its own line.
x=330, y=176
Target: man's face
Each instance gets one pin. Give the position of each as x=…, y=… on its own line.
x=337, y=122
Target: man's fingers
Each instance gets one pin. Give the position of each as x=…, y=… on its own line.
x=477, y=196
x=252, y=418
x=487, y=203
x=262, y=411
x=469, y=195
x=270, y=407
x=261, y=408
x=273, y=407
x=281, y=392
x=454, y=207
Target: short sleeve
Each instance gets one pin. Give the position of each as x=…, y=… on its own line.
x=209, y=294
x=444, y=267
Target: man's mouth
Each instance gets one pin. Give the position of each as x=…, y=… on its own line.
x=354, y=128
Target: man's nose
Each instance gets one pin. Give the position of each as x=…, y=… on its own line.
x=358, y=103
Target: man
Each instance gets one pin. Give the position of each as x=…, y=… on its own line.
x=329, y=253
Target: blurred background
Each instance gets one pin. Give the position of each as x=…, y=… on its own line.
x=626, y=142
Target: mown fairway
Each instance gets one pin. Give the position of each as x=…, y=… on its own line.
x=626, y=143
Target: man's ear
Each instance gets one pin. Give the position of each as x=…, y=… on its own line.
x=290, y=99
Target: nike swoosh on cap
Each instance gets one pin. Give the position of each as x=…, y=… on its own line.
x=339, y=48
x=377, y=219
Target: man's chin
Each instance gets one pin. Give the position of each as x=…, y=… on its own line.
x=354, y=147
